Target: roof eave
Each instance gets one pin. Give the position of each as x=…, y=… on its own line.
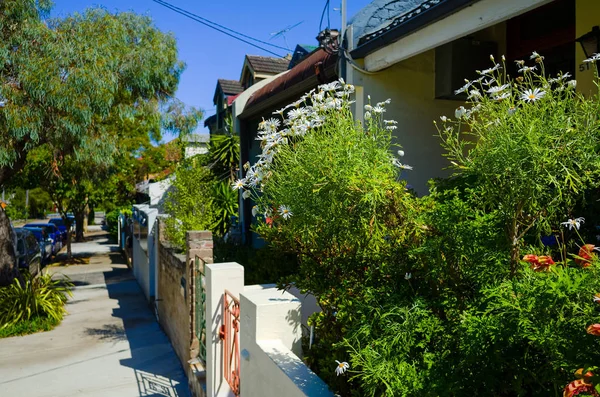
x=425, y=18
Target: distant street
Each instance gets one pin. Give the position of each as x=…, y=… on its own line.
x=108, y=345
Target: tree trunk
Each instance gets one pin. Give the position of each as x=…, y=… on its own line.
x=86, y=213
x=69, y=252
x=8, y=270
x=79, y=217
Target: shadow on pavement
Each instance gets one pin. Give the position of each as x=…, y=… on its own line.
x=157, y=368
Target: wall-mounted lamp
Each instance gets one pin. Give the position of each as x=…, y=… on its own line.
x=590, y=42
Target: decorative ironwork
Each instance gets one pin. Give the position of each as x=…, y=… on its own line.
x=200, y=321
x=230, y=336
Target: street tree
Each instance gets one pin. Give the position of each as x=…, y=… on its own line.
x=62, y=79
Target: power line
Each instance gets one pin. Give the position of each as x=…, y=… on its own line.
x=326, y=8
x=210, y=24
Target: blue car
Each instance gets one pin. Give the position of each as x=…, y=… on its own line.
x=52, y=233
x=43, y=240
x=28, y=253
x=60, y=224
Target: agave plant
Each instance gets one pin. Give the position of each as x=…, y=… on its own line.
x=32, y=297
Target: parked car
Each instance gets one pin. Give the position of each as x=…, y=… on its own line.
x=43, y=240
x=28, y=251
x=60, y=224
x=52, y=232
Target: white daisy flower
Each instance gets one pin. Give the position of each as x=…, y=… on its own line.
x=398, y=164
x=460, y=112
x=530, y=95
x=573, y=223
x=367, y=115
x=474, y=94
x=368, y=108
x=341, y=367
x=239, y=184
x=255, y=210
x=512, y=110
x=246, y=194
x=593, y=58
x=401, y=153
x=502, y=96
x=572, y=83
x=391, y=127
x=390, y=121
x=464, y=88
x=498, y=89
x=535, y=55
x=408, y=276
x=491, y=70
x=559, y=78
x=285, y=212
x=378, y=109
x=444, y=118
x=526, y=69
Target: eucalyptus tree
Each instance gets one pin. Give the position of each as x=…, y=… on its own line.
x=61, y=80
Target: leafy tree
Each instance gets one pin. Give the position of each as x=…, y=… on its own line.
x=64, y=79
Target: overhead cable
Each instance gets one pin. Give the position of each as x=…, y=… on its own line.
x=219, y=28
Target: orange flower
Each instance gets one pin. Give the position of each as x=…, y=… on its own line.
x=585, y=255
x=579, y=387
x=530, y=258
x=594, y=329
x=543, y=264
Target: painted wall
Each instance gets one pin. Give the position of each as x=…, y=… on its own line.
x=270, y=346
x=144, y=269
x=587, y=14
x=410, y=85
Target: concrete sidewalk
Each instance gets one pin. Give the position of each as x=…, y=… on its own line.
x=108, y=345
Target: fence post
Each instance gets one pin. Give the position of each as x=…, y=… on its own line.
x=198, y=244
x=219, y=277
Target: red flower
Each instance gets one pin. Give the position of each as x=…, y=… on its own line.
x=539, y=263
x=269, y=221
x=579, y=387
x=585, y=255
x=594, y=329
x=530, y=258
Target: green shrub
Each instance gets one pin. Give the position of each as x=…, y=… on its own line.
x=112, y=220
x=189, y=202
x=33, y=297
x=26, y=327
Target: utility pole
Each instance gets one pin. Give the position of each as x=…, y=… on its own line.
x=343, y=64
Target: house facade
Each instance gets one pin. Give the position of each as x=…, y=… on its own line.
x=255, y=69
x=417, y=52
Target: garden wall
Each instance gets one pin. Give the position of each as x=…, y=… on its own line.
x=175, y=304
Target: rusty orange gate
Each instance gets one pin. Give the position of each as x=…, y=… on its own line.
x=230, y=336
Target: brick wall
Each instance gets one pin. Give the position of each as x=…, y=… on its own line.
x=176, y=296
x=173, y=312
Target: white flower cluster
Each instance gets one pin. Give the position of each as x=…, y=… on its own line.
x=294, y=122
x=299, y=118
x=490, y=84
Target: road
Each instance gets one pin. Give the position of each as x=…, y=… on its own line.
x=108, y=345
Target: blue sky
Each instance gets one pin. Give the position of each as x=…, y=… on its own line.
x=210, y=55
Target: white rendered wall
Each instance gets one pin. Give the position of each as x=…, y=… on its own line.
x=270, y=342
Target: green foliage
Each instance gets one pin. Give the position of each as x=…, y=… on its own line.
x=529, y=147
x=429, y=297
x=189, y=201
x=112, y=220
x=225, y=155
x=33, y=297
x=225, y=205
x=264, y=265
x=26, y=327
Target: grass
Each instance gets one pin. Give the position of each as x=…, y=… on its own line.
x=32, y=326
